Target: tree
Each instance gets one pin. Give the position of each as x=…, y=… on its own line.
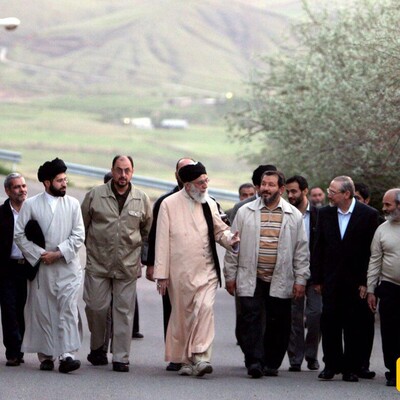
x=331, y=106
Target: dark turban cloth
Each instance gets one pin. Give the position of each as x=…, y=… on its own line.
x=50, y=169
x=190, y=172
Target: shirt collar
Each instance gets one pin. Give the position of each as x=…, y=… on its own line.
x=14, y=211
x=351, y=208
x=307, y=208
x=279, y=205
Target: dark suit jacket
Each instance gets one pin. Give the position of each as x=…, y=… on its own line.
x=6, y=241
x=313, y=229
x=6, y=235
x=341, y=265
x=153, y=230
x=238, y=205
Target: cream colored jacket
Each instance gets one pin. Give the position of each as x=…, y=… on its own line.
x=292, y=264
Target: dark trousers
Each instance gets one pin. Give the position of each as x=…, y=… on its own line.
x=166, y=311
x=12, y=299
x=366, y=341
x=389, y=306
x=136, y=317
x=265, y=327
x=345, y=342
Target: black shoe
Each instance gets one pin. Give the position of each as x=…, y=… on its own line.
x=313, y=365
x=97, y=357
x=365, y=373
x=68, y=365
x=390, y=379
x=137, y=335
x=120, y=367
x=349, y=377
x=13, y=362
x=47, y=365
x=295, y=368
x=173, y=366
x=255, y=370
x=327, y=374
x=270, y=371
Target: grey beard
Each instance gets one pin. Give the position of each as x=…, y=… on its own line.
x=394, y=216
x=197, y=196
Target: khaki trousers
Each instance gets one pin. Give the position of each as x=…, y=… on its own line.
x=97, y=295
x=206, y=356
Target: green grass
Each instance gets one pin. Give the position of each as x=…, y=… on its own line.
x=41, y=133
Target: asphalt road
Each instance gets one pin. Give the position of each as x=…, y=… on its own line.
x=148, y=379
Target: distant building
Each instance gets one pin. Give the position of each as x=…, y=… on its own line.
x=140, y=123
x=174, y=124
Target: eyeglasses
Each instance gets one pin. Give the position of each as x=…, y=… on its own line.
x=202, y=182
x=61, y=180
x=332, y=192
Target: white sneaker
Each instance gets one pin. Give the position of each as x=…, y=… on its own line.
x=186, y=370
x=201, y=368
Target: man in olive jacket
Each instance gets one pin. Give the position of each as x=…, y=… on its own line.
x=117, y=218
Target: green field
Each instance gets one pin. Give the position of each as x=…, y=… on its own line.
x=72, y=72
x=41, y=132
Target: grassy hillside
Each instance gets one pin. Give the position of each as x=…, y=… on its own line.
x=179, y=46
x=43, y=134
x=74, y=69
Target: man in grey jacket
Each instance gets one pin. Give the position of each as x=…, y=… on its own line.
x=271, y=267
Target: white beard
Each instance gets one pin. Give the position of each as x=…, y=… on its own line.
x=393, y=216
x=198, y=196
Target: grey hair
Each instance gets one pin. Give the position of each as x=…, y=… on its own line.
x=397, y=196
x=10, y=178
x=346, y=184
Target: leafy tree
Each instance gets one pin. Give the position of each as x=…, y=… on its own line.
x=331, y=106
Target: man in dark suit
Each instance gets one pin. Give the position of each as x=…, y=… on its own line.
x=339, y=265
x=13, y=284
x=305, y=310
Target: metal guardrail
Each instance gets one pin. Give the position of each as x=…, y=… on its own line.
x=99, y=173
x=94, y=172
x=13, y=156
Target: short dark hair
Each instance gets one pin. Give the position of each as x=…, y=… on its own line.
x=303, y=184
x=363, y=189
x=107, y=177
x=258, y=172
x=279, y=174
x=246, y=185
x=119, y=156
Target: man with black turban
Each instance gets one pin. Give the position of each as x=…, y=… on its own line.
x=51, y=312
x=186, y=262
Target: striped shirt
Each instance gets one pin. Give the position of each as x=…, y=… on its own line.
x=270, y=227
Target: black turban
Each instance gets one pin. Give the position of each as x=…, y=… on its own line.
x=190, y=172
x=51, y=169
x=259, y=171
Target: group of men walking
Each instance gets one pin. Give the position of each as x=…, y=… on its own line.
x=283, y=258
x=297, y=257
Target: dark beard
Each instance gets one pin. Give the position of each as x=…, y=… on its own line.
x=56, y=192
x=271, y=200
x=296, y=202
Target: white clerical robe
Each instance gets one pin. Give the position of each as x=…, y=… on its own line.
x=51, y=311
x=183, y=255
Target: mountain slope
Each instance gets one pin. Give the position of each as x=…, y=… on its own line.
x=97, y=46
